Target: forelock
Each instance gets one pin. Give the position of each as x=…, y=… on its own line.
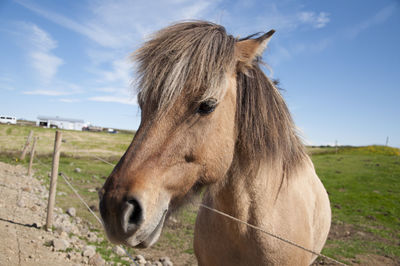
x=190, y=57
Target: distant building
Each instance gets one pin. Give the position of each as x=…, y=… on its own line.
x=60, y=122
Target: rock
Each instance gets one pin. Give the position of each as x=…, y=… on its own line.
x=89, y=251
x=92, y=237
x=157, y=263
x=61, y=193
x=92, y=190
x=60, y=244
x=118, y=250
x=94, y=207
x=97, y=260
x=63, y=235
x=74, y=239
x=85, y=260
x=78, y=170
x=172, y=220
x=164, y=259
x=140, y=259
x=71, y=211
x=167, y=263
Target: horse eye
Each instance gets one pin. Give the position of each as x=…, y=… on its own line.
x=208, y=106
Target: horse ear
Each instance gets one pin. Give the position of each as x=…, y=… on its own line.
x=246, y=51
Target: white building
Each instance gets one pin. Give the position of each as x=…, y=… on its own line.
x=59, y=122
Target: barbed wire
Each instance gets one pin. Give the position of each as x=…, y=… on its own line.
x=257, y=228
x=79, y=197
x=65, y=177
x=270, y=234
x=213, y=210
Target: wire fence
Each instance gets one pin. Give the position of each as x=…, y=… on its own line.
x=243, y=222
x=75, y=191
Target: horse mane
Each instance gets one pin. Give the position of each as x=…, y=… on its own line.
x=188, y=57
x=193, y=58
x=265, y=126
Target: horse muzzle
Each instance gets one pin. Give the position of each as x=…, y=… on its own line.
x=132, y=223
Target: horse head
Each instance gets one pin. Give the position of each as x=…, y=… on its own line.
x=188, y=132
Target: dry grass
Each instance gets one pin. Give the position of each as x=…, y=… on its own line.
x=75, y=143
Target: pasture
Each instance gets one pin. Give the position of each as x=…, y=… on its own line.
x=362, y=182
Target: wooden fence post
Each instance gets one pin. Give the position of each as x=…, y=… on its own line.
x=336, y=147
x=53, y=180
x=25, y=149
x=32, y=155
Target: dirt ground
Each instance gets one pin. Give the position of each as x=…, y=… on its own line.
x=21, y=216
x=345, y=231
x=23, y=239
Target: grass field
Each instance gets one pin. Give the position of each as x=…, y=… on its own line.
x=362, y=182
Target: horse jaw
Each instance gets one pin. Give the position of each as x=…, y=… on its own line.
x=148, y=234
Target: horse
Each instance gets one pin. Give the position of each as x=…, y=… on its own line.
x=212, y=121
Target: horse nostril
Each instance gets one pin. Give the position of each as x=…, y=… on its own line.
x=133, y=214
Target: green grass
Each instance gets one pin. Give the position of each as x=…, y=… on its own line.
x=364, y=190
x=362, y=182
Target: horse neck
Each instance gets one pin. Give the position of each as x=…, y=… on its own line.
x=246, y=186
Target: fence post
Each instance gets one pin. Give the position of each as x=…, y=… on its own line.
x=32, y=155
x=53, y=180
x=25, y=149
x=336, y=147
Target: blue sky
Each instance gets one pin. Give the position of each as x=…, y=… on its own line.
x=338, y=61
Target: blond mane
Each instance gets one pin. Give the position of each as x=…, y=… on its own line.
x=193, y=58
x=189, y=57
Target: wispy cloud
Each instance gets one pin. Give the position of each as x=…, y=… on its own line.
x=116, y=28
x=69, y=100
x=278, y=15
x=120, y=71
x=317, y=21
x=46, y=65
x=57, y=88
x=6, y=87
x=118, y=24
x=380, y=17
x=115, y=99
x=41, y=57
x=93, y=33
x=46, y=92
x=6, y=82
